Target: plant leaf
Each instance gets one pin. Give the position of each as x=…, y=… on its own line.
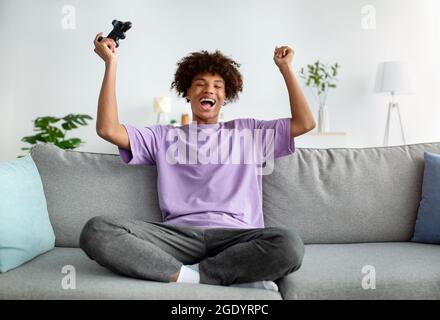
x=43, y=122
x=69, y=144
x=69, y=126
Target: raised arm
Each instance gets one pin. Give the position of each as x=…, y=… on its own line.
x=107, y=124
x=302, y=119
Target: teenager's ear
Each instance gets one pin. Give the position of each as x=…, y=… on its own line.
x=187, y=94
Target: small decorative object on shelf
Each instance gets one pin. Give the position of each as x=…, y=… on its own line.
x=174, y=123
x=321, y=78
x=184, y=119
x=162, y=106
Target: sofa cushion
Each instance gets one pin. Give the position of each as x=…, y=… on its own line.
x=25, y=229
x=50, y=276
x=345, y=195
x=403, y=271
x=82, y=185
x=427, y=227
x=342, y=271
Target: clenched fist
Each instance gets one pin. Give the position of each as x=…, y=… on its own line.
x=283, y=56
x=106, y=49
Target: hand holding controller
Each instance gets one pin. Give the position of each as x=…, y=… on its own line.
x=118, y=32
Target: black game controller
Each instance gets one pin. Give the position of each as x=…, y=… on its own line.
x=118, y=32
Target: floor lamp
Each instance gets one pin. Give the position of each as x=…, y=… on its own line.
x=392, y=78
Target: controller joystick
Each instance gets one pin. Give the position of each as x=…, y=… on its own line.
x=118, y=32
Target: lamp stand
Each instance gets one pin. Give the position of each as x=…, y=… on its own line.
x=162, y=116
x=393, y=105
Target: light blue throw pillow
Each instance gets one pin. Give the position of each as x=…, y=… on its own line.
x=427, y=228
x=25, y=228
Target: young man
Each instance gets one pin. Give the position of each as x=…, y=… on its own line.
x=213, y=228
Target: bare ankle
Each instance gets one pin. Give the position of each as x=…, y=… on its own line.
x=175, y=276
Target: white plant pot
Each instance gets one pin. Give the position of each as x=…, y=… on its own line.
x=323, y=119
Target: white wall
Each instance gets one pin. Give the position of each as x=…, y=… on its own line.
x=48, y=70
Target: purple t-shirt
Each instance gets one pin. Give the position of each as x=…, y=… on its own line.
x=210, y=175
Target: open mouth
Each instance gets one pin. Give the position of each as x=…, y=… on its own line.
x=207, y=103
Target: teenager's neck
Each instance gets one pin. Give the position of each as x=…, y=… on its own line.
x=202, y=121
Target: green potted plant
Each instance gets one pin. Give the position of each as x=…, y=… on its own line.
x=50, y=133
x=321, y=78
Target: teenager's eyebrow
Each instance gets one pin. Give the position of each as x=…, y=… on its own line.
x=203, y=79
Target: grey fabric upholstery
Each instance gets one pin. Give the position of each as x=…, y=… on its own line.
x=326, y=195
x=81, y=185
x=352, y=207
x=347, y=195
x=403, y=270
x=330, y=271
x=41, y=278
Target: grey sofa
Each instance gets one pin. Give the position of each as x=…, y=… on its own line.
x=355, y=209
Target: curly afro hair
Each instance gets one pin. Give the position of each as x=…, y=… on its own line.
x=203, y=61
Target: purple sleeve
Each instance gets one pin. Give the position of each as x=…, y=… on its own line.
x=278, y=139
x=144, y=145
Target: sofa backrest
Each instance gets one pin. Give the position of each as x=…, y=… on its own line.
x=327, y=195
x=345, y=195
x=81, y=185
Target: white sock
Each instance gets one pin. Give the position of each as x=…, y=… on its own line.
x=194, y=267
x=265, y=284
x=189, y=274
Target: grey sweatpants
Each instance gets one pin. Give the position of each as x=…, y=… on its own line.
x=155, y=251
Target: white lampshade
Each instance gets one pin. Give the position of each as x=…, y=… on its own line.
x=393, y=77
x=162, y=104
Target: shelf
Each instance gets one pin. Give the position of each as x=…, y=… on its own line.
x=316, y=133
x=315, y=139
